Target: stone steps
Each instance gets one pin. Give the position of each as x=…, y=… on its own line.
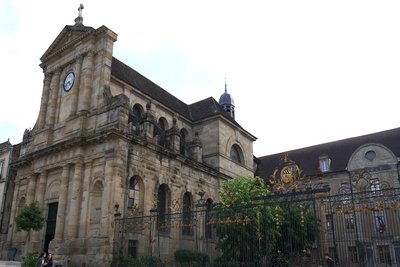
x=9, y=263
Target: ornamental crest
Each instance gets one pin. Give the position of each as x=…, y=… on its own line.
x=286, y=176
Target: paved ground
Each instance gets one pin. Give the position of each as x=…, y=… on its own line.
x=10, y=263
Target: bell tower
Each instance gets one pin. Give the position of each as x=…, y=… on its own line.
x=77, y=68
x=227, y=103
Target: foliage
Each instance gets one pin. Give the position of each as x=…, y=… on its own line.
x=145, y=261
x=30, y=218
x=248, y=230
x=190, y=258
x=29, y=259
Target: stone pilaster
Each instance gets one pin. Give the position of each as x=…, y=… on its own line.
x=196, y=149
x=148, y=122
x=39, y=197
x=107, y=200
x=87, y=80
x=55, y=88
x=87, y=173
x=13, y=213
x=62, y=204
x=75, y=200
x=30, y=194
x=45, y=99
x=75, y=92
x=173, y=137
x=40, y=192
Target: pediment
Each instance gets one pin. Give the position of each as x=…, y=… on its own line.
x=68, y=36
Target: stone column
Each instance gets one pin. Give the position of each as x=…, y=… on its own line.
x=75, y=200
x=62, y=204
x=85, y=91
x=75, y=92
x=55, y=87
x=45, y=100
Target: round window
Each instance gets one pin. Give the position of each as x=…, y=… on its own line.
x=370, y=155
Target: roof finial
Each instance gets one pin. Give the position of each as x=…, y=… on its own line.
x=226, y=90
x=79, y=19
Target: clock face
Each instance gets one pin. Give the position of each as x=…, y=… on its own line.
x=69, y=81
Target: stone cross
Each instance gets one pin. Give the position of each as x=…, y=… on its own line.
x=80, y=10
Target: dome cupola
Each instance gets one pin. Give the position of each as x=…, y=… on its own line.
x=227, y=103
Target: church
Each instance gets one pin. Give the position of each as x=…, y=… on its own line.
x=110, y=145
x=109, y=141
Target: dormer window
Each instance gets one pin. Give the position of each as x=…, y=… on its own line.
x=324, y=163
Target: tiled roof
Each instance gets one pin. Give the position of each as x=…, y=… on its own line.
x=197, y=111
x=5, y=145
x=338, y=151
x=137, y=80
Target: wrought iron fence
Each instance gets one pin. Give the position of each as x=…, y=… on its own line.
x=293, y=229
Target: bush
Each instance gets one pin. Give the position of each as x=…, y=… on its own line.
x=187, y=257
x=145, y=261
x=29, y=259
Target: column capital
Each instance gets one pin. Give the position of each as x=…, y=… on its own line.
x=47, y=76
x=79, y=59
x=58, y=70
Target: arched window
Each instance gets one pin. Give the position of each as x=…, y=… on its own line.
x=134, y=193
x=237, y=154
x=182, y=145
x=137, y=111
x=135, y=114
x=208, y=226
x=163, y=200
x=95, y=203
x=187, y=214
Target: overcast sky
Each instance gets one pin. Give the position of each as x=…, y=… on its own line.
x=301, y=72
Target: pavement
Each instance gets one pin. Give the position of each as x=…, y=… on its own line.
x=10, y=263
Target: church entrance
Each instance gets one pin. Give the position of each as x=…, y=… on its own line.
x=50, y=225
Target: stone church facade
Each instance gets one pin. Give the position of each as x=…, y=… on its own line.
x=108, y=140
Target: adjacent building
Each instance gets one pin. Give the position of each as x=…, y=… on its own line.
x=359, y=215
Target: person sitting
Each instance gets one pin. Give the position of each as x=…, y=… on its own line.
x=49, y=260
x=41, y=259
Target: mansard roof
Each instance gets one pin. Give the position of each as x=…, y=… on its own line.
x=194, y=112
x=338, y=151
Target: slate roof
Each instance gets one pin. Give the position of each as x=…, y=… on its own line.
x=5, y=146
x=338, y=151
x=197, y=111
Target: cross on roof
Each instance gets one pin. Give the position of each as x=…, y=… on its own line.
x=81, y=7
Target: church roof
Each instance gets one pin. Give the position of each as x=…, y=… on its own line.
x=194, y=112
x=338, y=151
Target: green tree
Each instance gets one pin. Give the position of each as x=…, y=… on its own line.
x=29, y=259
x=249, y=230
x=30, y=218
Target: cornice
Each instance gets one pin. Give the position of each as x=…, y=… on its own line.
x=50, y=54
